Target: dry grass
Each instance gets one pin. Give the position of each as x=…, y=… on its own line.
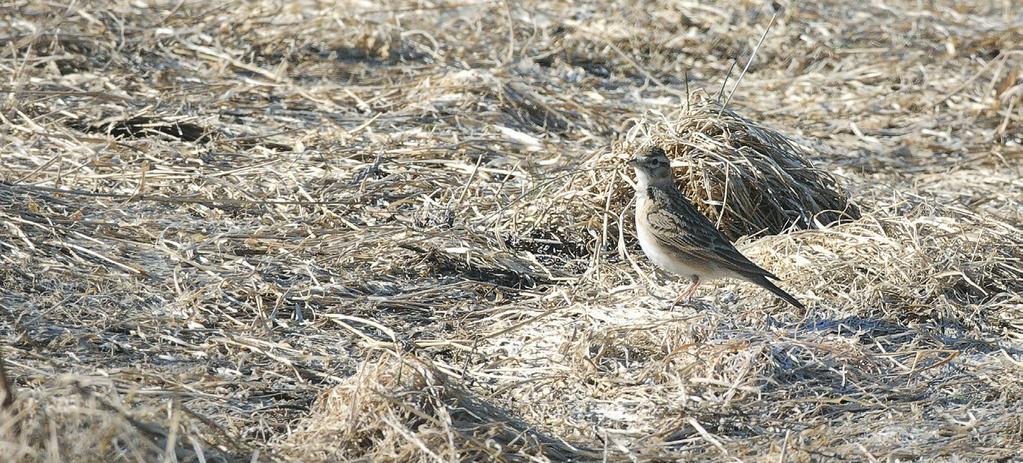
x=747, y=178
x=401, y=232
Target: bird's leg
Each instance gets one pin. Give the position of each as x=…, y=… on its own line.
x=687, y=294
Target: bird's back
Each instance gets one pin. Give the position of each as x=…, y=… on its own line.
x=671, y=225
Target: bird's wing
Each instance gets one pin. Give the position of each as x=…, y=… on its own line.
x=679, y=227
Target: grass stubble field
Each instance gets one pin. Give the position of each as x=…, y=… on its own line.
x=401, y=231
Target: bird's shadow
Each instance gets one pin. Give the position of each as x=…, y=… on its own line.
x=668, y=304
x=887, y=334
x=890, y=334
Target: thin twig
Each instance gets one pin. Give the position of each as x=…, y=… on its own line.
x=750, y=61
x=724, y=82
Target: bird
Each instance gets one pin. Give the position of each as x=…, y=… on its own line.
x=676, y=237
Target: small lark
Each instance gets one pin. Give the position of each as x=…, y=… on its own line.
x=680, y=240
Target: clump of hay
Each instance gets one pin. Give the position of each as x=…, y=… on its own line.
x=748, y=179
x=403, y=408
x=81, y=418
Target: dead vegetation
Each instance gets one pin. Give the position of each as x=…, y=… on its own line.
x=299, y=231
x=748, y=179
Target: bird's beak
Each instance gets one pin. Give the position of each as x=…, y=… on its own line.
x=631, y=163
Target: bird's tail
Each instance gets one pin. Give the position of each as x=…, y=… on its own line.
x=762, y=281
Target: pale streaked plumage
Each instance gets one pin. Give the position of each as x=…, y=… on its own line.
x=680, y=240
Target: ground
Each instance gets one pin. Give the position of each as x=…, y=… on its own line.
x=399, y=231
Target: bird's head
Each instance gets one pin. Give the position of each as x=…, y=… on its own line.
x=652, y=167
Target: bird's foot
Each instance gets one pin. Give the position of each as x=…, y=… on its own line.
x=681, y=302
